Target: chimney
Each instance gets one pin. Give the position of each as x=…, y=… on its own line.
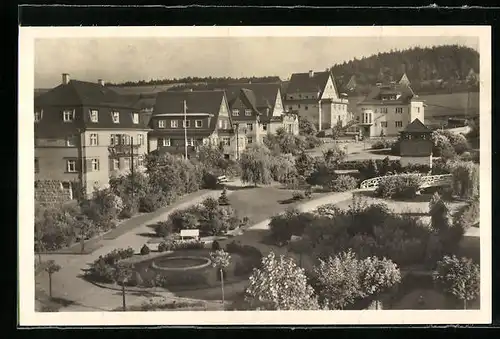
x=311, y=73
x=65, y=78
x=100, y=82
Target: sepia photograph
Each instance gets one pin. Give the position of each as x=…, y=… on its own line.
x=254, y=175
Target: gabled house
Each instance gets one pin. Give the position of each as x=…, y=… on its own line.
x=403, y=80
x=388, y=109
x=315, y=95
x=192, y=119
x=257, y=109
x=86, y=133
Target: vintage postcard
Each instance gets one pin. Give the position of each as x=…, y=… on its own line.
x=254, y=175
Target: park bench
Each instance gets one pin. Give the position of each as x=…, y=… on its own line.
x=193, y=234
x=221, y=179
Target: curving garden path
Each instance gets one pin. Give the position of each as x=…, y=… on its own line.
x=85, y=296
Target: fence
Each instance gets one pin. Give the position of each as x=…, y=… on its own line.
x=426, y=181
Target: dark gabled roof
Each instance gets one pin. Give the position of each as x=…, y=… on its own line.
x=196, y=102
x=302, y=82
x=83, y=93
x=405, y=91
x=417, y=126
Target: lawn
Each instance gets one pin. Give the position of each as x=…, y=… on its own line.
x=261, y=203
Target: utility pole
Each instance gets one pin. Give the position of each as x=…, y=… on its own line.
x=185, y=130
x=132, y=164
x=237, y=141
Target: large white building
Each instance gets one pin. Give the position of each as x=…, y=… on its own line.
x=388, y=109
x=315, y=95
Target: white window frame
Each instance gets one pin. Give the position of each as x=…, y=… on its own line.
x=161, y=123
x=68, y=115
x=135, y=118
x=126, y=161
x=249, y=140
x=69, y=139
x=383, y=124
x=226, y=141
x=71, y=166
x=94, y=115
x=235, y=112
x=94, y=141
x=418, y=109
x=220, y=124
x=167, y=142
x=225, y=124
x=186, y=123
x=116, y=164
x=264, y=127
x=249, y=127
x=399, y=110
x=38, y=115
x=198, y=123
x=398, y=124
x=190, y=142
x=174, y=123
x=383, y=110
x=248, y=112
x=95, y=165
x=140, y=138
x=115, y=115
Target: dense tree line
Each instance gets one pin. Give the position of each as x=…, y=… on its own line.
x=438, y=68
x=198, y=80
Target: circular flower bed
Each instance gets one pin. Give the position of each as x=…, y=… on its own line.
x=183, y=263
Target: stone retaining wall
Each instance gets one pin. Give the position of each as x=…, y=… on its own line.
x=51, y=192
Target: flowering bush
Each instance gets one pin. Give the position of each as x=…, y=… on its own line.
x=343, y=183
x=381, y=144
x=403, y=186
x=145, y=250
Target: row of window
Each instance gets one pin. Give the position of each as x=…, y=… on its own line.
x=338, y=107
x=367, y=119
x=384, y=110
x=69, y=116
x=226, y=141
x=116, y=139
x=94, y=164
x=185, y=123
x=236, y=112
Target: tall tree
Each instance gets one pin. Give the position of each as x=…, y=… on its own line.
x=51, y=268
x=255, y=165
x=122, y=273
x=458, y=277
x=220, y=260
x=280, y=285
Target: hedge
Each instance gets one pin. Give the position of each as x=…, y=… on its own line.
x=403, y=186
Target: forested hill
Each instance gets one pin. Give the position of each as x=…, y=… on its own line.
x=198, y=80
x=434, y=69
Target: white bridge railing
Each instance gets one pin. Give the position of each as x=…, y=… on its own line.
x=426, y=180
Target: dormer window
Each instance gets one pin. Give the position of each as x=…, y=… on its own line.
x=68, y=115
x=116, y=117
x=38, y=115
x=94, y=115
x=198, y=123
x=161, y=123
x=174, y=124
x=236, y=112
x=135, y=118
x=248, y=112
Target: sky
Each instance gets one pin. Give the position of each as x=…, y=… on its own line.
x=133, y=59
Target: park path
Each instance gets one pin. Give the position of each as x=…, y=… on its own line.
x=85, y=296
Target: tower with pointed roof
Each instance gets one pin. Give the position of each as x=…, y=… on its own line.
x=416, y=144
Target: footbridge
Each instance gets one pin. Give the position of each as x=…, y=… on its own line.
x=426, y=181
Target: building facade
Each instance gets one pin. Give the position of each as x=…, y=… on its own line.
x=86, y=133
x=257, y=109
x=315, y=95
x=388, y=109
x=192, y=119
x=416, y=145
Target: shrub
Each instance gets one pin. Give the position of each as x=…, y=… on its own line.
x=186, y=278
x=223, y=200
x=130, y=208
x=343, y=183
x=151, y=202
x=298, y=195
x=465, y=179
x=183, y=219
x=321, y=134
x=145, y=250
x=215, y=246
x=188, y=245
x=381, y=144
x=210, y=180
x=162, y=247
x=403, y=186
x=467, y=215
x=308, y=192
x=312, y=141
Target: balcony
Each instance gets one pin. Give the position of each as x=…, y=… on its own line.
x=124, y=150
